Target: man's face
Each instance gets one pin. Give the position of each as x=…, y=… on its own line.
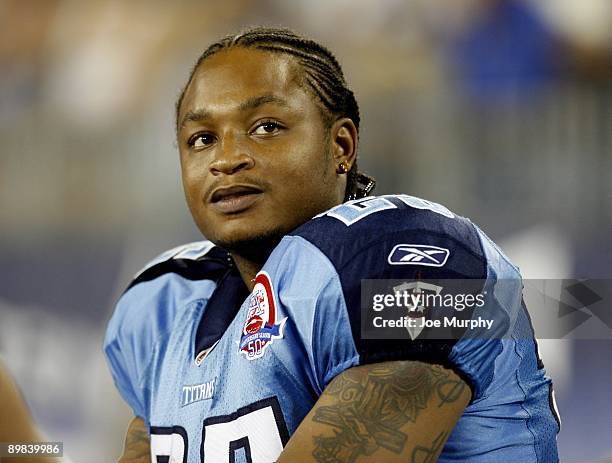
x=256, y=157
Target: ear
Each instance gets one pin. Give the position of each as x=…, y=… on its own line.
x=344, y=139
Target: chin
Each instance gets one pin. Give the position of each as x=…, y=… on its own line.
x=246, y=239
x=248, y=231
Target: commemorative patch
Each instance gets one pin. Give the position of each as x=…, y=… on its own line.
x=260, y=327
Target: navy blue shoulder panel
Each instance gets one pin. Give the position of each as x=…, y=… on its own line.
x=211, y=265
x=381, y=223
x=396, y=237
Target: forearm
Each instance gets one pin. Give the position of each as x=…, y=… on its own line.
x=137, y=447
x=16, y=423
x=392, y=412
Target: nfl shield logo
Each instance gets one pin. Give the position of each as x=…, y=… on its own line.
x=416, y=288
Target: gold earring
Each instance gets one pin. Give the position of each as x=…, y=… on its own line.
x=343, y=167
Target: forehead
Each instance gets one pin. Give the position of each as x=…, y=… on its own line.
x=234, y=75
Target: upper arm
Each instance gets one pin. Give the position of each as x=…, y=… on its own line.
x=369, y=265
x=393, y=411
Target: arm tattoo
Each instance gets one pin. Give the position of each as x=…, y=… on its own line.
x=449, y=390
x=372, y=405
x=422, y=454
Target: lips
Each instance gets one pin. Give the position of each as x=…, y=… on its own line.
x=235, y=198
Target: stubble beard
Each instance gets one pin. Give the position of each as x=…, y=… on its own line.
x=256, y=248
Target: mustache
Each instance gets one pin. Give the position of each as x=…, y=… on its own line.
x=248, y=181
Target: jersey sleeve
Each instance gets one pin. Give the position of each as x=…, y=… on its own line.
x=124, y=347
x=145, y=313
x=475, y=353
x=323, y=266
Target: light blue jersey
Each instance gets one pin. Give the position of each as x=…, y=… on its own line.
x=221, y=375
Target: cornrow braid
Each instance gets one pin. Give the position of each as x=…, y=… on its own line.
x=322, y=73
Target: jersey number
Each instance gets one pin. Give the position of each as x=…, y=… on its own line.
x=258, y=431
x=353, y=211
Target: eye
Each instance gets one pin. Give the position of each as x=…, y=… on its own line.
x=267, y=128
x=201, y=140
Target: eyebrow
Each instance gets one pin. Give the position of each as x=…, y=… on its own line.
x=255, y=102
x=199, y=115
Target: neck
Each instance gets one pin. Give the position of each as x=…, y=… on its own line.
x=248, y=269
x=250, y=258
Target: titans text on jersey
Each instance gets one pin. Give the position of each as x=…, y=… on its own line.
x=222, y=375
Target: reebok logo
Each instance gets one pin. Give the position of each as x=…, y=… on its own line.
x=418, y=254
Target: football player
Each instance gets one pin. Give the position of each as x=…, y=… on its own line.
x=248, y=347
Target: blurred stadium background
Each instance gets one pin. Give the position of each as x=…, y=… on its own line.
x=499, y=109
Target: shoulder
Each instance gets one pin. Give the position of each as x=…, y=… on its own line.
x=393, y=236
x=397, y=234
x=200, y=260
x=166, y=285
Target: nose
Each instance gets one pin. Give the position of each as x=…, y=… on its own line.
x=230, y=157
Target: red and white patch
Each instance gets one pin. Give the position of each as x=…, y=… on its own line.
x=260, y=328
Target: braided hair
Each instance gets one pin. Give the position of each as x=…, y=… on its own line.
x=322, y=73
